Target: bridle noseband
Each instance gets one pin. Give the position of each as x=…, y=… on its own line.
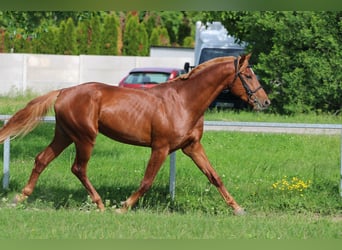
x=248, y=90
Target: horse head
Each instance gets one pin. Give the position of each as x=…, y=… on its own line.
x=246, y=85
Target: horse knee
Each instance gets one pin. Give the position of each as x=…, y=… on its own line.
x=77, y=170
x=39, y=164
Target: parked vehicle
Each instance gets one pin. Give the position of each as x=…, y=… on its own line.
x=142, y=78
x=212, y=40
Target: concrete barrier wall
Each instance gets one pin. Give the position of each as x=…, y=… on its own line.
x=11, y=73
x=42, y=73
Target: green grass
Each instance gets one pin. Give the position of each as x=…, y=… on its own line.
x=249, y=116
x=264, y=172
x=248, y=163
x=74, y=224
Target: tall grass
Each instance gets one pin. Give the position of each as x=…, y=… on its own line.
x=66, y=224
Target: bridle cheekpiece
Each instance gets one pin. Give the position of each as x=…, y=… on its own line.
x=248, y=90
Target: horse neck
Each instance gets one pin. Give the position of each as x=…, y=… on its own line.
x=200, y=90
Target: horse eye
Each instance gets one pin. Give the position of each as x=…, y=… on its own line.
x=249, y=76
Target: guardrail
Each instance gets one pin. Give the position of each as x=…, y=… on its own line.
x=265, y=127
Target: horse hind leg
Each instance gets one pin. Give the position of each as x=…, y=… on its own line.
x=42, y=160
x=79, y=168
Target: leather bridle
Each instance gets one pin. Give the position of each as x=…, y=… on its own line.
x=248, y=90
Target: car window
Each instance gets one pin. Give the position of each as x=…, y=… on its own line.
x=210, y=53
x=143, y=77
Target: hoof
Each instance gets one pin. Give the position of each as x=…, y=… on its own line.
x=101, y=209
x=121, y=210
x=240, y=212
x=18, y=198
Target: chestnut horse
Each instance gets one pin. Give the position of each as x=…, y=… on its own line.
x=165, y=118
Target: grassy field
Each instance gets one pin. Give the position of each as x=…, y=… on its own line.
x=289, y=185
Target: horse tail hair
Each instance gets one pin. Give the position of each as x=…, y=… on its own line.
x=26, y=119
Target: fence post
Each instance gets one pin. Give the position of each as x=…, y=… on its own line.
x=172, y=174
x=5, y=180
x=341, y=166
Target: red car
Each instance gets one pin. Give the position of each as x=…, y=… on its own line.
x=149, y=77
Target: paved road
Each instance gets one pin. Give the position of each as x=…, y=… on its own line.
x=327, y=129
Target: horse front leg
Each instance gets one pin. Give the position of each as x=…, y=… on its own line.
x=196, y=152
x=156, y=160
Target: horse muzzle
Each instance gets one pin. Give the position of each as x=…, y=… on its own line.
x=259, y=105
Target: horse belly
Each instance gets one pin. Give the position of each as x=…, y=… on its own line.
x=121, y=133
x=126, y=129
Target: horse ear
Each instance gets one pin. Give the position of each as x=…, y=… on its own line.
x=244, y=61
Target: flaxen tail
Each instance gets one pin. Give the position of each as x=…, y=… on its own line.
x=26, y=119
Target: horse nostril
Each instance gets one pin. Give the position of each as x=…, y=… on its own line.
x=267, y=103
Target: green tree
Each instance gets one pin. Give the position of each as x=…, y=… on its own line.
x=297, y=55
x=130, y=39
x=17, y=42
x=110, y=35
x=171, y=20
x=96, y=31
x=184, y=29
x=25, y=21
x=159, y=37
x=150, y=21
x=83, y=36
x=46, y=39
x=3, y=47
x=303, y=65
x=154, y=37
x=189, y=42
x=31, y=26
x=144, y=46
x=164, y=37
x=67, y=38
x=135, y=39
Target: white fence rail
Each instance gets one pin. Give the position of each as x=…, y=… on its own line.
x=265, y=127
